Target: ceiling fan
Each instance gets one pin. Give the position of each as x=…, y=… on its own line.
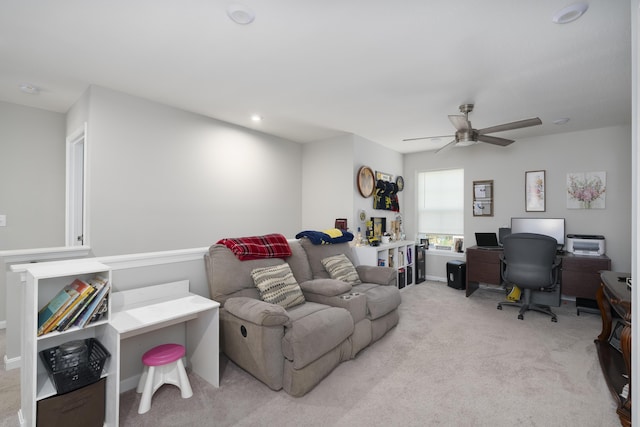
x=466, y=133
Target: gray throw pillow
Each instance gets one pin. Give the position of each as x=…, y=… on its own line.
x=340, y=267
x=277, y=285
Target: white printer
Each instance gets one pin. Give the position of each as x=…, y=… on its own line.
x=585, y=244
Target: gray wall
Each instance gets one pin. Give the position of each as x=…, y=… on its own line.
x=605, y=149
x=162, y=178
x=329, y=180
x=32, y=177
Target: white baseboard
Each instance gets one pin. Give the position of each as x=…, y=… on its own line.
x=436, y=278
x=12, y=363
x=129, y=383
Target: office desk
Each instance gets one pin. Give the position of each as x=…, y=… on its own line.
x=579, y=275
x=614, y=352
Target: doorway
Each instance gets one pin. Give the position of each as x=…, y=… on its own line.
x=75, y=232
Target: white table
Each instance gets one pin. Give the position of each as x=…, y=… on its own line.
x=143, y=310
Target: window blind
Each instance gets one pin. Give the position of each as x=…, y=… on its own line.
x=441, y=202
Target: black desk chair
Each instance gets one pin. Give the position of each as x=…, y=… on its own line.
x=529, y=262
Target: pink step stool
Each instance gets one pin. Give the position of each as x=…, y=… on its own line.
x=162, y=365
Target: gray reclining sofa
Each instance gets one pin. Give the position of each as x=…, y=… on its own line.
x=296, y=347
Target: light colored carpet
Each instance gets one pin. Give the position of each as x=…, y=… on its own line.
x=452, y=361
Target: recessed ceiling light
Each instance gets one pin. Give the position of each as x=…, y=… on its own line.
x=29, y=88
x=561, y=121
x=570, y=13
x=256, y=118
x=240, y=14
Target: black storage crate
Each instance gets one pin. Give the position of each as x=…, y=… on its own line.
x=75, y=364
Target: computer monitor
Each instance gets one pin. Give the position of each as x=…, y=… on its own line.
x=553, y=227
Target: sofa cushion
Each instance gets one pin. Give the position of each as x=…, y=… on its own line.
x=316, y=253
x=380, y=299
x=229, y=277
x=326, y=287
x=277, y=285
x=299, y=263
x=340, y=267
x=315, y=330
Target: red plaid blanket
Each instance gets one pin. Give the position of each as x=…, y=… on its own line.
x=267, y=246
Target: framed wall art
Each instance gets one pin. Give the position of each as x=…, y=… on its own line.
x=586, y=190
x=534, y=191
x=483, y=198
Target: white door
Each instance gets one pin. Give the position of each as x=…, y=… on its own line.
x=76, y=195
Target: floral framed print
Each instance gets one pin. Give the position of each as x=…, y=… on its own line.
x=586, y=190
x=534, y=191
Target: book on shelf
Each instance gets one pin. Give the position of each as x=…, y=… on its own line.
x=47, y=318
x=97, y=284
x=100, y=301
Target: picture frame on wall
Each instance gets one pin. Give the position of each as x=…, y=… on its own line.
x=534, y=190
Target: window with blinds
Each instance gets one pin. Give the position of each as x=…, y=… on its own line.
x=441, y=208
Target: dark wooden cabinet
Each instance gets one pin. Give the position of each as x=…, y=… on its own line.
x=483, y=266
x=614, y=349
x=580, y=275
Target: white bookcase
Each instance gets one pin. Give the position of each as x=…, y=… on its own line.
x=398, y=255
x=43, y=282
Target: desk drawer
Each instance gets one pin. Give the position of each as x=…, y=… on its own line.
x=580, y=275
x=484, y=256
x=483, y=266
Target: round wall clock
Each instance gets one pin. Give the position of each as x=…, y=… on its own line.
x=400, y=183
x=366, y=181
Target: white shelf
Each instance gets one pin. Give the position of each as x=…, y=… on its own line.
x=44, y=281
x=399, y=255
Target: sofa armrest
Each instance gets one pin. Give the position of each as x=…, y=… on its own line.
x=385, y=276
x=325, y=287
x=258, y=312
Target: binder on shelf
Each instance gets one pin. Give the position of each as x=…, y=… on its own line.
x=401, y=278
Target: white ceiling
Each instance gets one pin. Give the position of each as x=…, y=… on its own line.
x=383, y=70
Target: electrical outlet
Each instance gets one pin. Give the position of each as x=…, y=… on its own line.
x=3, y=220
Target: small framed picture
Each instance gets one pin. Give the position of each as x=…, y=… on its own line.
x=341, y=224
x=534, y=191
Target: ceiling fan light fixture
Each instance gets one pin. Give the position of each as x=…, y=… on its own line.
x=465, y=142
x=570, y=13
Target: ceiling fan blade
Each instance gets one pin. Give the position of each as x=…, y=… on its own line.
x=495, y=140
x=510, y=126
x=460, y=123
x=428, y=137
x=446, y=147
